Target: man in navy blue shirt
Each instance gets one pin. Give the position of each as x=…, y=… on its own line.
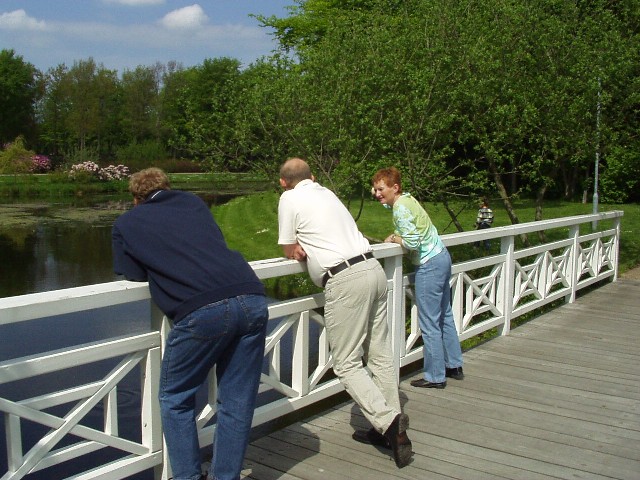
x=219, y=313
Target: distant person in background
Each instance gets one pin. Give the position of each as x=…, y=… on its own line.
x=414, y=230
x=219, y=312
x=484, y=220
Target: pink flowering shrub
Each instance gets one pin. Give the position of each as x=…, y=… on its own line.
x=40, y=164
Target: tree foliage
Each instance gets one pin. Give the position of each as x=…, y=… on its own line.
x=468, y=98
x=18, y=95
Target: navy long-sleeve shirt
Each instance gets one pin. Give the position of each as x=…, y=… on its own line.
x=173, y=242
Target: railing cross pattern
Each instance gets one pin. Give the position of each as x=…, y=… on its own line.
x=62, y=426
x=492, y=299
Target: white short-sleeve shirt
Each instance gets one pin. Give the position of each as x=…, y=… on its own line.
x=314, y=217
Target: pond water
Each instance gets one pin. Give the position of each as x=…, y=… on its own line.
x=50, y=246
x=55, y=256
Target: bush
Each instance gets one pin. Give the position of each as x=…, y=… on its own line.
x=40, y=164
x=113, y=172
x=15, y=158
x=141, y=155
x=619, y=180
x=90, y=171
x=84, y=172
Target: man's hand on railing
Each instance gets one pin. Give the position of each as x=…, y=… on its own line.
x=298, y=253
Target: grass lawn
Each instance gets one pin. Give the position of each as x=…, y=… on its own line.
x=250, y=223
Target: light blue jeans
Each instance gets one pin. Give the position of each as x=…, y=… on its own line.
x=433, y=298
x=229, y=334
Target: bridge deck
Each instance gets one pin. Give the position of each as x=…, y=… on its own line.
x=557, y=398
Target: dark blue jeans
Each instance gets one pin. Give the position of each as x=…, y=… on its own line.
x=229, y=334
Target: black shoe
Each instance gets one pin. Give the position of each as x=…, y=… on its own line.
x=396, y=434
x=422, y=383
x=455, y=373
x=371, y=437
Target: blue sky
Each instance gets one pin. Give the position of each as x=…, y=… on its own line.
x=123, y=34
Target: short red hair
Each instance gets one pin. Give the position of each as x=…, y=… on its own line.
x=390, y=176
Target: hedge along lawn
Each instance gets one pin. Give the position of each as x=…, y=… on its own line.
x=54, y=185
x=57, y=184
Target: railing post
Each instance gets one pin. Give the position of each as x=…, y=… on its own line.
x=504, y=299
x=574, y=263
x=13, y=433
x=150, y=406
x=457, y=301
x=395, y=308
x=300, y=356
x=616, y=248
x=161, y=324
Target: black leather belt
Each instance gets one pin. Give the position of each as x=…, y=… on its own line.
x=344, y=265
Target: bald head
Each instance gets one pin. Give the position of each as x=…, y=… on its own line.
x=294, y=171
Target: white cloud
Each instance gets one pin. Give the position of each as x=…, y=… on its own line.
x=19, y=20
x=135, y=3
x=116, y=46
x=187, y=17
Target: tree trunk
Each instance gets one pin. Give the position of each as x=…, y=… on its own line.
x=453, y=215
x=585, y=192
x=361, y=205
x=505, y=198
x=539, y=199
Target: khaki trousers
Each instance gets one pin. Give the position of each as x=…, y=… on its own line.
x=356, y=323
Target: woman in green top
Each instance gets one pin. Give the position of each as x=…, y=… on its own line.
x=415, y=232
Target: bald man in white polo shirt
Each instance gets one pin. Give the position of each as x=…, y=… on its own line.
x=314, y=226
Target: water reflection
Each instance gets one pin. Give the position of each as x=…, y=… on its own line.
x=64, y=245
x=54, y=256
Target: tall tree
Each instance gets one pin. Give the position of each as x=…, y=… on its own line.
x=18, y=94
x=460, y=94
x=373, y=90
x=53, y=111
x=91, y=91
x=204, y=115
x=140, y=89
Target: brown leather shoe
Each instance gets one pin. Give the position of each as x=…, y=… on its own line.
x=396, y=434
x=422, y=383
x=371, y=437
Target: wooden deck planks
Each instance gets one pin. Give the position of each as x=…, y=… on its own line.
x=559, y=397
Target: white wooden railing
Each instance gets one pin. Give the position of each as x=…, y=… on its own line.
x=487, y=292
